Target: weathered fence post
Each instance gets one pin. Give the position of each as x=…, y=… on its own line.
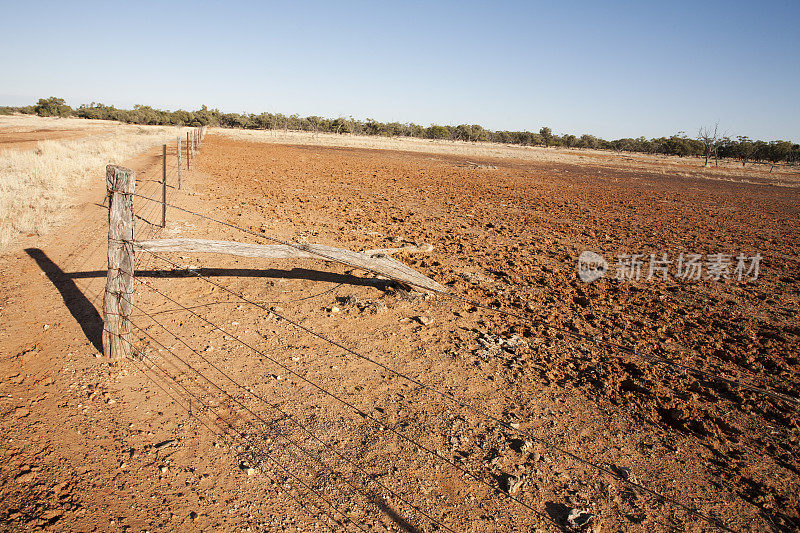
x=178, y=143
x=164, y=191
x=188, y=151
x=117, y=299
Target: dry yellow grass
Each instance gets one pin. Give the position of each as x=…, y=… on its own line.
x=37, y=185
x=411, y=144
x=23, y=122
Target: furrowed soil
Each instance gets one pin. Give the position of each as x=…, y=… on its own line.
x=304, y=395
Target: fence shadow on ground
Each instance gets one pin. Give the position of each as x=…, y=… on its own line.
x=295, y=273
x=77, y=303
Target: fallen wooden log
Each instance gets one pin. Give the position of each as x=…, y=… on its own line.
x=377, y=261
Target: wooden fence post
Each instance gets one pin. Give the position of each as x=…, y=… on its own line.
x=178, y=143
x=164, y=191
x=188, y=151
x=117, y=299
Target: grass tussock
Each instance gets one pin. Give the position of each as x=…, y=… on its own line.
x=37, y=185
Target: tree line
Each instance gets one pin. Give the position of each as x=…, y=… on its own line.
x=718, y=146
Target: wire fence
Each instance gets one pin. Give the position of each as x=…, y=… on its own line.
x=358, y=485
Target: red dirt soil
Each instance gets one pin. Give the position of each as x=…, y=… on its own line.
x=154, y=443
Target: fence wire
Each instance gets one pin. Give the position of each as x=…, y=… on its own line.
x=144, y=215
x=532, y=320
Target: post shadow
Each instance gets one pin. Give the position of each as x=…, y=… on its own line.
x=77, y=303
x=394, y=516
x=91, y=322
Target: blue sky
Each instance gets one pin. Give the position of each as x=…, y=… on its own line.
x=612, y=69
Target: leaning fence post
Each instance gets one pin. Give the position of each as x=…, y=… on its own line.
x=164, y=191
x=117, y=299
x=178, y=143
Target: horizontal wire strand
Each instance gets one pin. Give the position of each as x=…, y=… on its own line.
x=532, y=320
x=285, y=414
x=450, y=397
x=222, y=430
x=268, y=456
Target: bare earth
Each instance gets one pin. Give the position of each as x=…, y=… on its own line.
x=243, y=421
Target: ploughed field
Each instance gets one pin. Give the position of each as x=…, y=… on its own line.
x=581, y=396
x=508, y=234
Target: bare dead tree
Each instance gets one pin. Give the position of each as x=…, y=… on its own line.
x=710, y=139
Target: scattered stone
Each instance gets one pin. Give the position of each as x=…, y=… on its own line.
x=515, y=483
x=494, y=345
x=21, y=412
x=370, y=306
x=579, y=518
x=474, y=278
x=424, y=320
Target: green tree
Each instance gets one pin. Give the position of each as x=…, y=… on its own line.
x=547, y=135
x=437, y=132
x=52, y=107
x=744, y=149
x=778, y=151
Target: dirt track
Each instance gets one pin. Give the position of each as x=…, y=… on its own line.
x=506, y=233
